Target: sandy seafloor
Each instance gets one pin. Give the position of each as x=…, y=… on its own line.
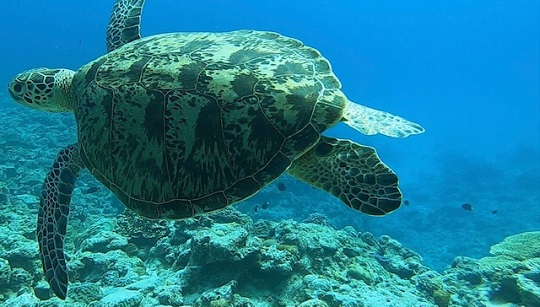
x=305, y=249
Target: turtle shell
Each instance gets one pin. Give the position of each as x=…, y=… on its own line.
x=181, y=124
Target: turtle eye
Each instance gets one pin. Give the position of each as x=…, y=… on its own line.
x=18, y=88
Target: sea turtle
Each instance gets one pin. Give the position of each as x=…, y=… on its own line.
x=181, y=124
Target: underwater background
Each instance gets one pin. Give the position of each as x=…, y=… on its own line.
x=467, y=71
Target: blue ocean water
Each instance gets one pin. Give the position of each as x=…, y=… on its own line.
x=467, y=71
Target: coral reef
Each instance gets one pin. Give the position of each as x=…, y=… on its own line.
x=512, y=276
x=317, y=218
x=520, y=247
x=225, y=259
x=140, y=231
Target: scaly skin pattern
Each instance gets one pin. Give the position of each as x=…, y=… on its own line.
x=182, y=124
x=125, y=23
x=53, y=216
x=351, y=172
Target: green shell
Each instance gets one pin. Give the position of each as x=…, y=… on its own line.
x=182, y=124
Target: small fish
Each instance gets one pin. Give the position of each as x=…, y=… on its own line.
x=494, y=211
x=256, y=208
x=281, y=186
x=406, y=202
x=92, y=190
x=467, y=206
x=265, y=205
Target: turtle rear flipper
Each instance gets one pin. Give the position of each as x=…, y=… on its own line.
x=351, y=172
x=124, y=24
x=53, y=216
x=370, y=121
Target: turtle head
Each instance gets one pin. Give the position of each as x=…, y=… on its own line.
x=44, y=89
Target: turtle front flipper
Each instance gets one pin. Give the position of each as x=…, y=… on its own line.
x=351, y=172
x=53, y=216
x=125, y=23
x=370, y=121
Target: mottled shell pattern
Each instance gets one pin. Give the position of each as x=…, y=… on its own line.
x=221, y=115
